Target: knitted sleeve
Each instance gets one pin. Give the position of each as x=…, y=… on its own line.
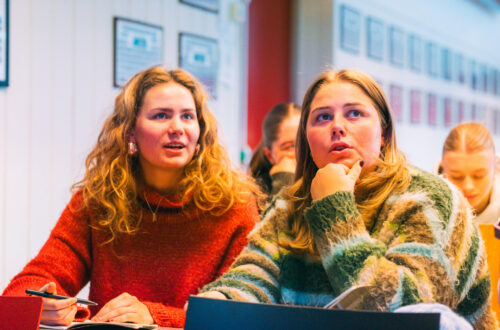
x=64, y=259
x=254, y=275
x=424, y=248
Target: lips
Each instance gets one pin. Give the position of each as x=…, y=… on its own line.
x=339, y=146
x=174, y=145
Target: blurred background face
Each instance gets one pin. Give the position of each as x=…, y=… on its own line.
x=472, y=173
x=284, y=145
x=343, y=126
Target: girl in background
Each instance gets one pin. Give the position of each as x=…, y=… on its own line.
x=158, y=214
x=273, y=162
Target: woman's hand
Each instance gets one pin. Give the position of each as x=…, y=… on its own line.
x=124, y=308
x=285, y=164
x=333, y=178
x=57, y=311
x=208, y=294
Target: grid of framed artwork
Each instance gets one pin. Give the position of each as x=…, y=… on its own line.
x=386, y=42
x=437, y=61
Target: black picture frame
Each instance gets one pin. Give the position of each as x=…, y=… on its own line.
x=375, y=38
x=396, y=46
x=199, y=55
x=136, y=47
x=350, y=29
x=415, y=50
x=4, y=44
x=207, y=5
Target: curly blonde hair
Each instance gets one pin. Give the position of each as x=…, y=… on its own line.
x=110, y=183
x=373, y=189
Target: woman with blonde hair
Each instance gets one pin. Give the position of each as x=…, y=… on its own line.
x=469, y=162
x=158, y=214
x=359, y=215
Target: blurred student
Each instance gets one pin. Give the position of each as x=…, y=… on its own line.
x=358, y=214
x=469, y=162
x=158, y=214
x=273, y=162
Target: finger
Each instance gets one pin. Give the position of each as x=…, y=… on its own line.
x=355, y=170
x=128, y=317
x=117, y=312
x=56, y=316
x=70, y=316
x=122, y=300
x=58, y=304
x=49, y=288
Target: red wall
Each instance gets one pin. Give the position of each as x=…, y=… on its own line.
x=269, y=61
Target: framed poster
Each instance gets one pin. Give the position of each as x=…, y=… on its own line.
x=459, y=68
x=432, y=109
x=492, y=81
x=483, y=78
x=200, y=56
x=473, y=112
x=208, y=5
x=350, y=27
x=137, y=46
x=431, y=59
x=461, y=112
x=375, y=38
x=446, y=63
x=4, y=42
x=448, y=116
x=473, y=75
x=415, y=52
x=396, y=101
x=415, y=106
x=396, y=46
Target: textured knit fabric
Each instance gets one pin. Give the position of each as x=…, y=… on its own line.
x=421, y=247
x=280, y=180
x=491, y=213
x=162, y=264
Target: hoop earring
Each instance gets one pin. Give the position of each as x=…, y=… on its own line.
x=132, y=148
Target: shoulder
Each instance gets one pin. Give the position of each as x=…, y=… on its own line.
x=275, y=217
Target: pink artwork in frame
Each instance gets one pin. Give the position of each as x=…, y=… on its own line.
x=448, y=117
x=396, y=101
x=415, y=106
x=432, y=109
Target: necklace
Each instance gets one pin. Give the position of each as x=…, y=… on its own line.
x=157, y=206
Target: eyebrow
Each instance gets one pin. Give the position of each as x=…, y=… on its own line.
x=350, y=104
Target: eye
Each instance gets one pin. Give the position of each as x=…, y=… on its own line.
x=160, y=115
x=354, y=113
x=457, y=178
x=324, y=117
x=479, y=176
x=188, y=115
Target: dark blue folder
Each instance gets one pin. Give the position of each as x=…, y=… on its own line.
x=204, y=313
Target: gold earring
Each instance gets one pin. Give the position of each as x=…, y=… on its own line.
x=132, y=148
x=197, y=150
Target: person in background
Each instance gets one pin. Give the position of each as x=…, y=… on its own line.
x=359, y=215
x=273, y=162
x=469, y=162
x=158, y=214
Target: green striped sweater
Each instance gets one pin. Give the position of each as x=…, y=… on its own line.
x=422, y=247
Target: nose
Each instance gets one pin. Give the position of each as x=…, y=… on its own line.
x=175, y=126
x=468, y=185
x=338, y=127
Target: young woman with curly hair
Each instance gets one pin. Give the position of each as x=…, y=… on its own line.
x=158, y=214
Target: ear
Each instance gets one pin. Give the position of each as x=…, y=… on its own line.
x=269, y=155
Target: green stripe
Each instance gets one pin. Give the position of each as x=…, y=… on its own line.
x=465, y=270
x=476, y=297
x=410, y=292
x=296, y=274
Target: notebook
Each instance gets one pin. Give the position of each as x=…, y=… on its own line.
x=100, y=325
x=205, y=313
x=20, y=312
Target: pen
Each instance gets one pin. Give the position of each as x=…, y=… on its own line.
x=56, y=296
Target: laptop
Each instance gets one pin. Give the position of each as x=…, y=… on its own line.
x=20, y=312
x=205, y=313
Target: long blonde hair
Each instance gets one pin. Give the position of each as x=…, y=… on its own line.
x=110, y=183
x=373, y=189
x=469, y=137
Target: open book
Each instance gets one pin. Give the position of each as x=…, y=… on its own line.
x=100, y=325
x=350, y=298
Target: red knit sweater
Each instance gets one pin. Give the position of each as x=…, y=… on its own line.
x=161, y=265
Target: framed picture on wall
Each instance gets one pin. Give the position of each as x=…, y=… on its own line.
x=483, y=78
x=208, y=5
x=415, y=101
x=431, y=59
x=200, y=56
x=448, y=115
x=432, y=109
x=137, y=46
x=492, y=81
x=396, y=101
x=396, y=45
x=4, y=42
x=350, y=29
x=415, y=52
x=460, y=112
x=459, y=68
x=375, y=38
x=473, y=75
x=446, y=63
